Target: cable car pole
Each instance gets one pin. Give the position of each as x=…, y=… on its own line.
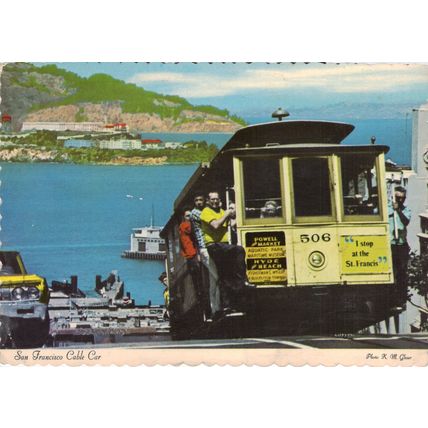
x=393, y=203
x=229, y=226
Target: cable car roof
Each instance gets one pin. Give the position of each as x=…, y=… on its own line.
x=290, y=132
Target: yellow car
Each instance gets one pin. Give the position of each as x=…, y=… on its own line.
x=24, y=298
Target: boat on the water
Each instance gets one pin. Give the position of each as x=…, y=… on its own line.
x=146, y=243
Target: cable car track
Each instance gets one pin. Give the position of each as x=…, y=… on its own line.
x=301, y=343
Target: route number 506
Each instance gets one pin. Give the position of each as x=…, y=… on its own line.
x=315, y=237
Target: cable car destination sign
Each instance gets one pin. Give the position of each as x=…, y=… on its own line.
x=266, y=257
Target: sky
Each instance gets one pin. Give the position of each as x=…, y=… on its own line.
x=254, y=90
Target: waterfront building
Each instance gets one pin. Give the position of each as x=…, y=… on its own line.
x=77, y=143
x=120, y=144
x=63, y=126
x=173, y=145
x=147, y=144
x=114, y=127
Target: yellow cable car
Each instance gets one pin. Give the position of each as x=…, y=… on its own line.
x=312, y=216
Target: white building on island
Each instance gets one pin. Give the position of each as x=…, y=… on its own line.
x=63, y=126
x=120, y=144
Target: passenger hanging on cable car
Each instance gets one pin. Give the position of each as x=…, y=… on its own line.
x=229, y=258
x=208, y=269
x=195, y=219
x=189, y=247
x=189, y=251
x=399, y=218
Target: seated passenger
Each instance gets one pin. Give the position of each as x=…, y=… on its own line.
x=270, y=209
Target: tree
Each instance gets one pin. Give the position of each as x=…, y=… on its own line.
x=418, y=280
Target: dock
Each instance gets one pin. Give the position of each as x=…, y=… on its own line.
x=110, y=317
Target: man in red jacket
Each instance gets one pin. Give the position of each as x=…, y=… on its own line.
x=190, y=253
x=187, y=239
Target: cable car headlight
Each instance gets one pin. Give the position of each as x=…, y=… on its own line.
x=18, y=293
x=316, y=259
x=33, y=293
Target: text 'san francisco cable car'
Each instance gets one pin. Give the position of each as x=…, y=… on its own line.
x=312, y=216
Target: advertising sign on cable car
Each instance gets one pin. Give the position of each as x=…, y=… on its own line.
x=364, y=254
x=266, y=257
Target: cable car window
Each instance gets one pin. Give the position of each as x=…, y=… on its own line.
x=262, y=188
x=359, y=185
x=311, y=185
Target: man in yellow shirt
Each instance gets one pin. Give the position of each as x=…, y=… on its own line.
x=229, y=259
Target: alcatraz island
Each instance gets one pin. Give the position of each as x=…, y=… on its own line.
x=49, y=114
x=98, y=148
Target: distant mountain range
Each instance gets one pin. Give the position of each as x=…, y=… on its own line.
x=51, y=94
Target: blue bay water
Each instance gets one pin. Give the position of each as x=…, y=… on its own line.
x=76, y=219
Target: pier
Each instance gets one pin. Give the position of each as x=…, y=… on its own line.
x=110, y=317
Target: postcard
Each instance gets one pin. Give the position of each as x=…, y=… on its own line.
x=217, y=213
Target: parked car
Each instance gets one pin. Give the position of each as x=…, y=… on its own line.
x=24, y=298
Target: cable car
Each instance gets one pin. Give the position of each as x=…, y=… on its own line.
x=311, y=214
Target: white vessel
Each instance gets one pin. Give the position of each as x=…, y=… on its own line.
x=146, y=243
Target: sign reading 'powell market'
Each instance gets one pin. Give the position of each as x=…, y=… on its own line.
x=266, y=257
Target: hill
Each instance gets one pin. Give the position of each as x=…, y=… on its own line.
x=51, y=94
